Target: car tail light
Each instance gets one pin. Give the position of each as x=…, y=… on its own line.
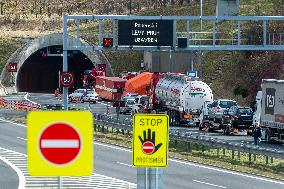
x=236, y=116
x=218, y=109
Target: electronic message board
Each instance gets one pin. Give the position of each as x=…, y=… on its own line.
x=145, y=32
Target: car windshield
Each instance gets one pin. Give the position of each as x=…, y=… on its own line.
x=227, y=104
x=80, y=91
x=144, y=99
x=131, y=102
x=90, y=92
x=244, y=111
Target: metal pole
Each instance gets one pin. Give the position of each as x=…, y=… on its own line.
x=264, y=32
x=147, y=179
x=201, y=14
x=130, y=7
x=239, y=33
x=170, y=61
x=60, y=184
x=65, y=60
x=78, y=33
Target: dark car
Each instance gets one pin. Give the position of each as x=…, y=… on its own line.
x=242, y=117
x=187, y=123
x=128, y=106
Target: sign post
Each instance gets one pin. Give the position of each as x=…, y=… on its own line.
x=150, y=149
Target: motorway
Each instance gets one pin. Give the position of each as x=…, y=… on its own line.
x=114, y=162
x=9, y=178
x=100, y=108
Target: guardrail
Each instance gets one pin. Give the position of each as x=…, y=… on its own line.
x=125, y=125
x=18, y=105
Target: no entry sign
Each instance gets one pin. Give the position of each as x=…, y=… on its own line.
x=60, y=143
x=148, y=147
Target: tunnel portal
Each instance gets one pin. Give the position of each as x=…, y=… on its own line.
x=40, y=71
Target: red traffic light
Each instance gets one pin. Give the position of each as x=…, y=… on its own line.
x=108, y=42
x=66, y=79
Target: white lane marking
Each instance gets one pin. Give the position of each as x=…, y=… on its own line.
x=227, y=171
x=21, y=138
x=18, y=153
x=202, y=166
x=26, y=98
x=113, y=147
x=209, y=184
x=187, y=163
x=124, y=164
x=106, y=104
x=50, y=143
x=20, y=174
x=19, y=124
x=93, y=181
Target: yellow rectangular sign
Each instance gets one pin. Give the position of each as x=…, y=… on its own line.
x=59, y=143
x=150, y=140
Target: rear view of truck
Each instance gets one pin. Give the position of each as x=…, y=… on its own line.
x=272, y=110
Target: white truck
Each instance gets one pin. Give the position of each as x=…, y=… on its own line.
x=181, y=97
x=269, y=110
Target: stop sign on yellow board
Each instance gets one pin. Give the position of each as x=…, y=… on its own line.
x=150, y=140
x=60, y=143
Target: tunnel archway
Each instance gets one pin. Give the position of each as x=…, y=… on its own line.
x=39, y=60
x=40, y=72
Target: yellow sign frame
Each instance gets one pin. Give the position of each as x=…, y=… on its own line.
x=154, y=132
x=82, y=121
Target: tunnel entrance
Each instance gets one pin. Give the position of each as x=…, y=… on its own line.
x=39, y=72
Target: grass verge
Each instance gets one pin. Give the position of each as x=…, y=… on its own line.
x=179, y=150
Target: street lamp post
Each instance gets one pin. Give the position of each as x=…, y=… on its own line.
x=130, y=3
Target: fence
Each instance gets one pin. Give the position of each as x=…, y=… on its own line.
x=104, y=122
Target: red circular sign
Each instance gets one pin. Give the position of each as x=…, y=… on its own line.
x=59, y=143
x=67, y=79
x=148, y=147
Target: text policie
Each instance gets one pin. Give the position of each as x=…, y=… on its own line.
x=149, y=160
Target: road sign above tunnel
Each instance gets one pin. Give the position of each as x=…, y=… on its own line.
x=60, y=143
x=12, y=67
x=150, y=140
x=145, y=32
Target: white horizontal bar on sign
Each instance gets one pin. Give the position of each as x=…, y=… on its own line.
x=50, y=143
x=148, y=147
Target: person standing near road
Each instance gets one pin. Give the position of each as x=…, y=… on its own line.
x=257, y=133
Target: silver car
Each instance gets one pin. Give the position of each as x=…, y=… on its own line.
x=219, y=107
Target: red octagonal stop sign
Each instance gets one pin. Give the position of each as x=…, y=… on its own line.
x=148, y=147
x=60, y=143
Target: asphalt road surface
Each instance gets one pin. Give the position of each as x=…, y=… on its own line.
x=9, y=178
x=101, y=108
x=115, y=162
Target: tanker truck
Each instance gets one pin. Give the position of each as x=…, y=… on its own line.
x=178, y=95
x=269, y=110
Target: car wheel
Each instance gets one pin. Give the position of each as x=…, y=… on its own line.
x=82, y=100
x=200, y=127
x=268, y=136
